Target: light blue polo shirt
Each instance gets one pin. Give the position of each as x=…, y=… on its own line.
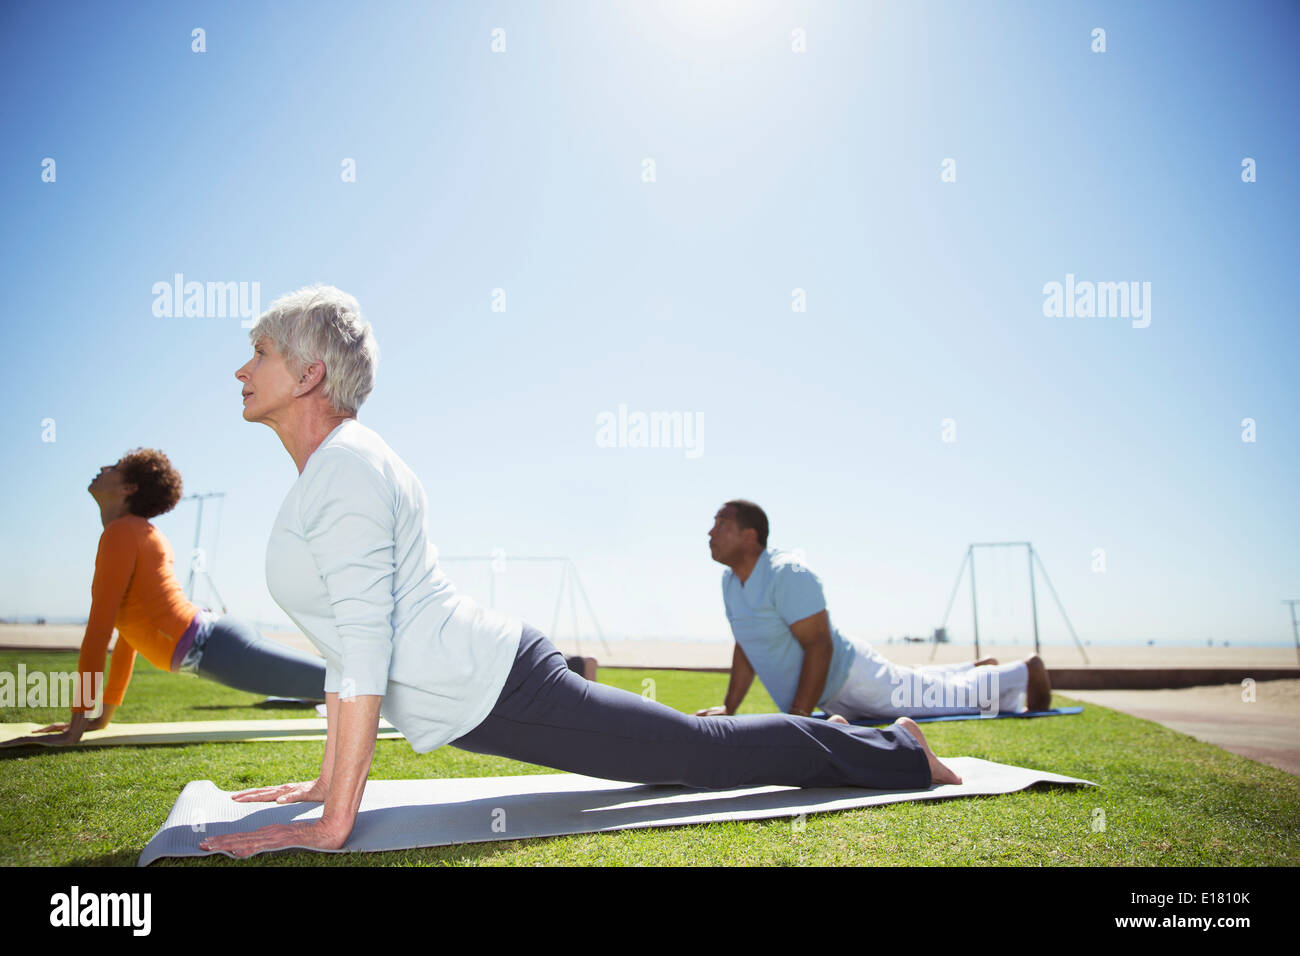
x=779, y=592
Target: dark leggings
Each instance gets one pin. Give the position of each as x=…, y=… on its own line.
x=238, y=656
x=548, y=715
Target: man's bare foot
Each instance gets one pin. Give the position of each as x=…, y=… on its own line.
x=1038, y=694
x=836, y=719
x=938, y=772
x=986, y=660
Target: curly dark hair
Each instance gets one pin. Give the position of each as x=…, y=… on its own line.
x=157, y=483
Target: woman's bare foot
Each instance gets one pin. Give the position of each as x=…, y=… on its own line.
x=1038, y=694
x=938, y=772
x=836, y=719
x=986, y=660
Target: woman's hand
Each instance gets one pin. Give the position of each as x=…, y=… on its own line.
x=358, y=722
x=63, y=739
x=317, y=836
x=54, y=735
x=313, y=792
x=51, y=729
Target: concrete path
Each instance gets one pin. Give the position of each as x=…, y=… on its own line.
x=1266, y=729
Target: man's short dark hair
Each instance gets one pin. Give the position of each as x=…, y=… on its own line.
x=750, y=515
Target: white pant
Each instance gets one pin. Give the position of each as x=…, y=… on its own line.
x=877, y=687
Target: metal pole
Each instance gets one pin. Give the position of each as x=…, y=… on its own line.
x=1046, y=578
x=934, y=645
x=573, y=611
x=559, y=601
x=577, y=580
x=568, y=578
x=1033, y=600
x=975, y=616
x=213, y=584
x=1295, y=633
x=198, y=529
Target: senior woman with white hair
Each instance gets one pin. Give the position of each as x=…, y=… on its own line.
x=349, y=560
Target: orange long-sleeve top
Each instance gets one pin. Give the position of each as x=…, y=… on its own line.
x=135, y=590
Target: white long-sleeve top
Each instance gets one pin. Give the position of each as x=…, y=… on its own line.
x=350, y=561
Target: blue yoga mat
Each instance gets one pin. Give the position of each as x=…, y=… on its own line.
x=873, y=722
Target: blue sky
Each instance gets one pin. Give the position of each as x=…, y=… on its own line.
x=523, y=170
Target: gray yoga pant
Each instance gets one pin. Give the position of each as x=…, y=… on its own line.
x=237, y=655
x=549, y=715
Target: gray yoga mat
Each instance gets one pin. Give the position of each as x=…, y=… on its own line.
x=401, y=814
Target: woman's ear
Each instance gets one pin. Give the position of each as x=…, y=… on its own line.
x=312, y=375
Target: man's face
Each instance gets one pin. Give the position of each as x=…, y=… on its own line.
x=727, y=539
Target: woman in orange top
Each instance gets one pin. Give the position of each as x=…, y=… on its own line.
x=135, y=590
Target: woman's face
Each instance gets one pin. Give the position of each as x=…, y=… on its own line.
x=109, y=487
x=268, y=383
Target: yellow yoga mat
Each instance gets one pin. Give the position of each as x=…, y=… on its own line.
x=197, y=731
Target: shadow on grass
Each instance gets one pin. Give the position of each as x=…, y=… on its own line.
x=119, y=858
x=27, y=750
x=413, y=856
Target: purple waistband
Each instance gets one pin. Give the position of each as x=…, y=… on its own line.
x=186, y=642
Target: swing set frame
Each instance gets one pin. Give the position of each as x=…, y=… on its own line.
x=1033, y=559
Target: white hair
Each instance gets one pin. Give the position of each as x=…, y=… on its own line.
x=320, y=323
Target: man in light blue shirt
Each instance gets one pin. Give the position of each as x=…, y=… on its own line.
x=778, y=616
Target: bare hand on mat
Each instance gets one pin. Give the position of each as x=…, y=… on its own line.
x=99, y=723
x=317, y=836
x=349, y=747
x=59, y=735
x=45, y=739
x=721, y=711
x=313, y=792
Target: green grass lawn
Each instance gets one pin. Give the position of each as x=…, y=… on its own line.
x=1167, y=798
